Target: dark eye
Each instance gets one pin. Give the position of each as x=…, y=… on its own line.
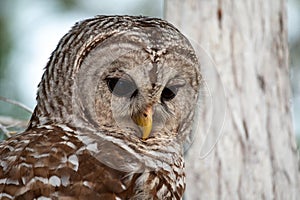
x=121, y=87
x=169, y=93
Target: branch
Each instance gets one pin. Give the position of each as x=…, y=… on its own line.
x=4, y=130
x=7, y=123
x=16, y=103
x=10, y=123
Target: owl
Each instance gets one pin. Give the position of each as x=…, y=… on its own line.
x=115, y=107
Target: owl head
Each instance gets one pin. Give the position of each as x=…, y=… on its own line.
x=134, y=78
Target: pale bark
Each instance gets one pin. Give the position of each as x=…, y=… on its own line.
x=256, y=157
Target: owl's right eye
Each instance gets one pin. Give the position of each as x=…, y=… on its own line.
x=121, y=87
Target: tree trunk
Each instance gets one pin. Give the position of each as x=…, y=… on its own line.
x=256, y=158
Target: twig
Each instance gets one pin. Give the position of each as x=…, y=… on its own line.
x=9, y=122
x=16, y=103
x=4, y=130
x=9, y=126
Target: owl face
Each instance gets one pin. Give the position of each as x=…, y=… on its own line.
x=125, y=86
x=140, y=84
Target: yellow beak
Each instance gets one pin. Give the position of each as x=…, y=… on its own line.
x=144, y=120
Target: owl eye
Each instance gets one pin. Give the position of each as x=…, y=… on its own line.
x=169, y=93
x=121, y=87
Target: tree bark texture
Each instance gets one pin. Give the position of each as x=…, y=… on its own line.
x=256, y=158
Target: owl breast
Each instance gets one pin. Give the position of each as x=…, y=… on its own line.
x=66, y=168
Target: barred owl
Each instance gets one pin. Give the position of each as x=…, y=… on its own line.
x=114, y=108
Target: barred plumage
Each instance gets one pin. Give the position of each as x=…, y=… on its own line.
x=108, y=79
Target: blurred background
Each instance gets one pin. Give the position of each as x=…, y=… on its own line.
x=31, y=29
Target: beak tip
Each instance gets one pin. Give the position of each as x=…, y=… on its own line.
x=146, y=132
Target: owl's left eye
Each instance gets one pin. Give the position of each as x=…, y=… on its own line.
x=121, y=87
